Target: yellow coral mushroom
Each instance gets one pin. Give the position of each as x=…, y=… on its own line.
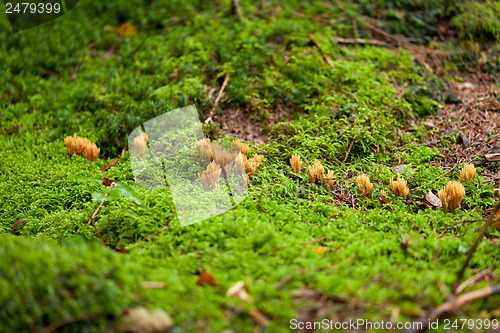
x=329, y=179
x=238, y=146
x=399, y=187
x=76, y=145
x=468, y=172
x=451, y=196
x=316, y=172
x=204, y=149
x=364, y=184
x=296, y=163
x=210, y=177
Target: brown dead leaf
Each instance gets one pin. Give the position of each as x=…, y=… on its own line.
x=17, y=223
x=238, y=290
x=123, y=250
x=433, y=200
x=206, y=278
x=107, y=182
x=384, y=199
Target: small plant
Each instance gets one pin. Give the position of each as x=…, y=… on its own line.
x=211, y=176
x=399, y=187
x=140, y=143
x=81, y=146
x=116, y=190
x=468, y=173
x=316, y=172
x=296, y=163
x=364, y=185
x=451, y=196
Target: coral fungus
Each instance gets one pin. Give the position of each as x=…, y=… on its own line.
x=210, y=177
x=468, y=172
x=204, y=149
x=238, y=146
x=329, y=179
x=316, y=172
x=399, y=187
x=81, y=146
x=296, y=163
x=364, y=184
x=451, y=196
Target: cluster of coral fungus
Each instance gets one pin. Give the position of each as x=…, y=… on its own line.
x=451, y=196
x=224, y=160
x=81, y=146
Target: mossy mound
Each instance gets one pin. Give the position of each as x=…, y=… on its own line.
x=77, y=284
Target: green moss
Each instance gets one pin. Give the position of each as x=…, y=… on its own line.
x=350, y=116
x=478, y=21
x=41, y=284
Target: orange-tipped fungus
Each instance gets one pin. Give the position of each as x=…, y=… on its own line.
x=222, y=157
x=204, y=149
x=251, y=166
x=211, y=176
x=238, y=146
x=76, y=145
x=316, y=172
x=239, y=163
x=399, y=187
x=451, y=196
x=364, y=184
x=296, y=163
x=468, y=172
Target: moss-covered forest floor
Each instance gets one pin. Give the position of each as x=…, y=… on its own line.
x=401, y=88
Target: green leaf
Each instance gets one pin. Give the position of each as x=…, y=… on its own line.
x=127, y=192
x=98, y=197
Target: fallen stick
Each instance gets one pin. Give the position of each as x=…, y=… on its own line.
x=359, y=41
x=451, y=306
x=471, y=281
x=318, y=45
x=217, y=99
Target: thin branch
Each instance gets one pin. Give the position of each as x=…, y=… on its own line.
x=237, y=8
x=97, y=231
x=451, y=306
x=349, y=151
x=100, y=205
x=359, y=41
x=471, y=281
x=217, y=99
x=318, y=45
x=351, y=93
